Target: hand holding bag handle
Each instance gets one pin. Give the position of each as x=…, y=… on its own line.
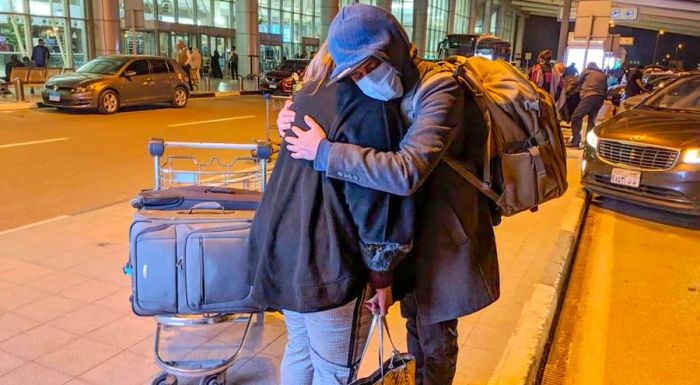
x=406, y=376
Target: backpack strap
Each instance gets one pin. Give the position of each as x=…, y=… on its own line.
x=472, y=179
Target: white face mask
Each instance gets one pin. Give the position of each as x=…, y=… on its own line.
x=382, y=83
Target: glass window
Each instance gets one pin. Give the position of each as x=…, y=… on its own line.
x=158, y=66
x=494, y=22
x=148, y=10
x=222, y=14
x=79, y=47
x=403, y=11
x=139, y=66
x=287, y=27
x=12, y=6
x=77, y=8
x=46, y=8
x=437, y=26
x=307, y=26
x=107, y=66
x=166, y=11
x=53, y=32
x=296, y=28
x=461, y=24
x=287, y=5
x=263, y=20
x=204, y=12
x=185, y=11
x=13, y=39
x=275, y=22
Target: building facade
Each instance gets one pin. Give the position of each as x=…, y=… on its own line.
x=264, y=32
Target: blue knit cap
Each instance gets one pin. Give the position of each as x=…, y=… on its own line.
x=360, y=31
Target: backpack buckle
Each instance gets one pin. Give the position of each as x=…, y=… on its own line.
x=463, y=77
x=532, y=106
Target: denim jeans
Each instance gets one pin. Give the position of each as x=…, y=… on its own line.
x=435, y=346
x=324, y=347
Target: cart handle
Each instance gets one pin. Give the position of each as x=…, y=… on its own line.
x=263, y=149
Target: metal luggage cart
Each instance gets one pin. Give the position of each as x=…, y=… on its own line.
x=173, y=170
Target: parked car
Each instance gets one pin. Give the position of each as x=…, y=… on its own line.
x=283, y=78
x=654, y=84
x=108, y=83
x=650, y=155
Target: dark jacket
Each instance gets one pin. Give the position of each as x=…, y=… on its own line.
x=315, y=239
x=40, y=56
x=9, y=66
x=454, y=268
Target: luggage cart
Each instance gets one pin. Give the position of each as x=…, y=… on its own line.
x=176, y=170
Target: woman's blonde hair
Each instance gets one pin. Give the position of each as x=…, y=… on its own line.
x=319, y=68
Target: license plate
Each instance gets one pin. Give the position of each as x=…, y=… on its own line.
x=273, y=86
x=624, y=177
x=54, y=96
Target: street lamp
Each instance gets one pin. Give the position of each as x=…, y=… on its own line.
x=680, y=47
x=661, y=32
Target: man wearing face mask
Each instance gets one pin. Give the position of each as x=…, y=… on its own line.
x=453, y=270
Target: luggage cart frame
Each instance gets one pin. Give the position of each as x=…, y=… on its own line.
x=210, y=372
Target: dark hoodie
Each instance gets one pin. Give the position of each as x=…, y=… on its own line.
x=315, y=239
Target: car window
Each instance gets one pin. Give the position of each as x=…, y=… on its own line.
x=139, y=66
x=106, y=66
x=158, y=66
x=683, y=94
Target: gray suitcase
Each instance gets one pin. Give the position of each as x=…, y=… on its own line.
x=190, y=261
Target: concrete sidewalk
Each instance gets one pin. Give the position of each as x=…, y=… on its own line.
x=65, y=316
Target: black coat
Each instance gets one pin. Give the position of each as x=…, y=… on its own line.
x=314, y=239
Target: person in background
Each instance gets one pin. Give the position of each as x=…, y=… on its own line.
x=548, y=79
x=40, y=54
x=635, y=85
x=571, y=70
x=27, y=62
x=593, y=85
x=233, y=64
x=183, y=59
x=13, y=63
x=216, y=66
x=196, y=65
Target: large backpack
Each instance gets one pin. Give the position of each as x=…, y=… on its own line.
x=524, y=161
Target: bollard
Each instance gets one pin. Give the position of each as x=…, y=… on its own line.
x=19, y=90
x=240, y=83
x=207, y=83
x=257, y=82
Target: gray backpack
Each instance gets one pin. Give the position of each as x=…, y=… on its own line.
x=525, y=156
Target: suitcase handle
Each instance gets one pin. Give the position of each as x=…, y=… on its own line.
x=207, y=206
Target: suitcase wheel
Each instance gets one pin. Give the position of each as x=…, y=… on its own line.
x=217, y=379
x=164, y=379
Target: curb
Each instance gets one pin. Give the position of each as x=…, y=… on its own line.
x=19, y=106
x=521, y=359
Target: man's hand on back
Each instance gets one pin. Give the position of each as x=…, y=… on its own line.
x=285, y=118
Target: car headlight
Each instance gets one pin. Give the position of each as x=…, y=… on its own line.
x=81, y=89
x=592, y=139
x=692, y=156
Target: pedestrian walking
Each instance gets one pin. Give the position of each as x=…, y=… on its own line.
x=453, y=268
x=13, y=63
x=40, y=54
x=195, y=66
x=336, y=237
x=216, y=66
x=593, y=89
x=233, y=64
x=183, y=59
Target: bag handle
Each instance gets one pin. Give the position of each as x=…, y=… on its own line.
x=207, y=206
x=383, y=327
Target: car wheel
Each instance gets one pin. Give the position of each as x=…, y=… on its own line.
x=108, y=102
x=179, y=98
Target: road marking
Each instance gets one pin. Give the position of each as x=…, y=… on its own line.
x=29, y=226
x=211, y=121
x=33, y=142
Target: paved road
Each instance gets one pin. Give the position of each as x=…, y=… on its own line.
x=76, y=162
x=632, y=311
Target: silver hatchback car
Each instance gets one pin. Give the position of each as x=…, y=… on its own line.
x=110, y=82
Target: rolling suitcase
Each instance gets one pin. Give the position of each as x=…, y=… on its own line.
x=178, y=198
x=190, y=261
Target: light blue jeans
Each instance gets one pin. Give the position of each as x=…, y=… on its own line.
x=323, y=347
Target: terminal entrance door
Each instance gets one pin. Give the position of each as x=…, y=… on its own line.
x=270, y=57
